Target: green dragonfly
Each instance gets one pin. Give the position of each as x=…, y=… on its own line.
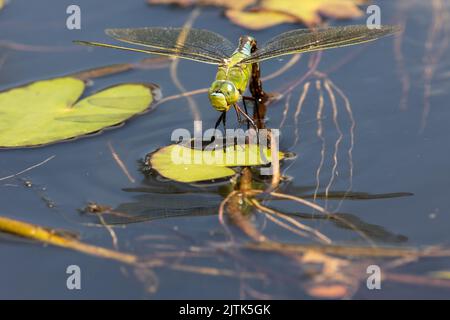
x=238, y=68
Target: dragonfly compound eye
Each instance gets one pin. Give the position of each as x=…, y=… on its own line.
x=218, y=101
x=223, y=94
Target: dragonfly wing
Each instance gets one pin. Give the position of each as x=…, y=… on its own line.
x=148, y=51
x=305, y=40
x=194, y=44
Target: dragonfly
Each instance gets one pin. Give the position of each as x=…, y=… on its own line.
x=238, y=68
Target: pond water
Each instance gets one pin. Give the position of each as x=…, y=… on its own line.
x=390, y=138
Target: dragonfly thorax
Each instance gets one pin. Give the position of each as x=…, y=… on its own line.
x=223, y=94
x=231, y=81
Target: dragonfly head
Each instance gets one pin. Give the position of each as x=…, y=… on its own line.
x=247, y=45
x=223, y=94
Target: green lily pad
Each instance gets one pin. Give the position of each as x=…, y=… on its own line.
x=183, y=164
x=47, y=111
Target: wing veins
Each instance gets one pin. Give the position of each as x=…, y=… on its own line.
x=175, y=51
x=308, y=48
x=194, y=42
x=318, y=40
x=146, y=51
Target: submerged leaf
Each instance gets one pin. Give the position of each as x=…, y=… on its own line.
x=258, y=19
x=310, y=12
x=47, y=111
x=183, y=164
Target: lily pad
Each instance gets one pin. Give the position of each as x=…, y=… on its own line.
x=183, y=164
x=47, y=111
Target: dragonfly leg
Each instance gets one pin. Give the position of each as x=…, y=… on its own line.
x=246, y=116
x=219, y=120
x=238, y=116
x=224, y=120
x=245, y=109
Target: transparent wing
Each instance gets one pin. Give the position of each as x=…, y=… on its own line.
x=304, y=40
x=149, y=51
x=199, y=45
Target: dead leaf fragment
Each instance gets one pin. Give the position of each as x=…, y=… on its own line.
x=309, y=12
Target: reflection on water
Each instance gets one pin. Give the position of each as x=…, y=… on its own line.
x=162, y=200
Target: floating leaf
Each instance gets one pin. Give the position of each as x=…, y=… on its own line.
x=47, y=111
x=183, y=164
